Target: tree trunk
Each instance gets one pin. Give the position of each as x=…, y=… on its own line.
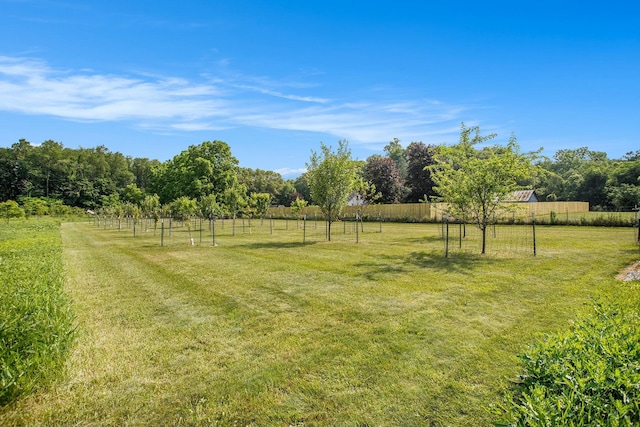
x=484, y=239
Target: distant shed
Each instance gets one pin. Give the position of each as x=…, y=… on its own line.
x=526, y=196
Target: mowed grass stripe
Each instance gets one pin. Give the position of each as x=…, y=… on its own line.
x=264, y=330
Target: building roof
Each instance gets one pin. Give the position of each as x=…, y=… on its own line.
x=523, y=196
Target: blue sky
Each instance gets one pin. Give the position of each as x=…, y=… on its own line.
x=275, y=78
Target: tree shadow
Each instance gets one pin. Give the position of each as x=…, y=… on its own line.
x=385, y=265
x=426, y=239
x=459, y=262
x=277, y=245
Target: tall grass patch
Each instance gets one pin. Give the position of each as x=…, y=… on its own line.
x=36, y=321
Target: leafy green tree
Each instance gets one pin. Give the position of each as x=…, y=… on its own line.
x=150, y=207
x=56, y=207
x=200, y=170
x=235, y=199
x=133, y=211
x=297, y=208
x=6, y=174
x=585, y=175
x=208, y=205
x=150, y=204
x=398, y=154
x=78, y=177
x=48, y=158
x=260, y=202
x=119, y=212
x=261, y=181
x=594, y=179
x=301, y=184
x=141, y=168
x=11, y=209
x=165, y=210
x=22, y=180
x=76, y=186
x=476, y=184
x=111, y=200
x=365, y=195
x=571, y=172
x=287, y=194
x=105, y=212
x=624, y=183
x=88, y=177
x=119, y=169
x=632, y=156
x=331, y=176
x=132, y=194
x=624, y=197
x=626, y=172
x=182, y=209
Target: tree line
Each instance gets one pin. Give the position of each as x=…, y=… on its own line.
x=40, y=177
x=581, y=174
x=404, y=175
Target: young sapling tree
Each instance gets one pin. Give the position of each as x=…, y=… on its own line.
x=331, y=176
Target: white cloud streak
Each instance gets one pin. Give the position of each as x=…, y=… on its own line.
x=31, y=87
x=170, y=104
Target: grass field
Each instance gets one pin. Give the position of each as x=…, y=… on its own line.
x=265, y=330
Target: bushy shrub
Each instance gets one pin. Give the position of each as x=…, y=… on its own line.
x=11, y=209
x=36, y=322
x=587, y=376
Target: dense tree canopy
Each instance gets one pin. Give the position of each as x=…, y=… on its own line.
x=43, y=178
x=301, y=184
x=398, y=154
x=200, y=170
x=142, y=171
x=419, y=182
x=589, y=176
x=262, y=181
x=383, y=173
x=77, y=177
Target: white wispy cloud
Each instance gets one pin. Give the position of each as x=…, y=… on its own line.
x=363, y=122
x=32, y=87
x=161, y=103
x=277, y=94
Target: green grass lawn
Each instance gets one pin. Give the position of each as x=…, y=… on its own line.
x=263, y=330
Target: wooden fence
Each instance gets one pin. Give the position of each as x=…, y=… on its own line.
x=433, y=212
